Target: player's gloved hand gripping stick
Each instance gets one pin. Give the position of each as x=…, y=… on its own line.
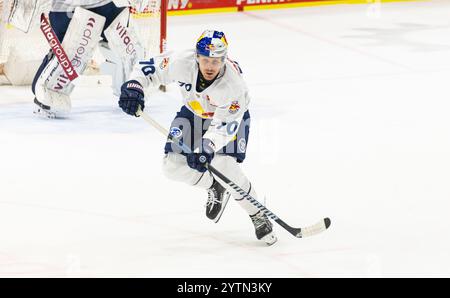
x=314, y=229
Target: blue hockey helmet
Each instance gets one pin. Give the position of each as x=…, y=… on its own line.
x=212, y=44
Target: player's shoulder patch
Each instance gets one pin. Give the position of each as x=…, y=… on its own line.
x=234, y=107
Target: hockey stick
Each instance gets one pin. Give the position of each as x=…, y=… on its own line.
x=314, y=229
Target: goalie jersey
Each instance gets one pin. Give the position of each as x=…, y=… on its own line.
x=224, y=102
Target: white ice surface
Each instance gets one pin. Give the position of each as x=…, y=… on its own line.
x=350, y=118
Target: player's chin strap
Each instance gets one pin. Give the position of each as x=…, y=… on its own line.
x=319, y=227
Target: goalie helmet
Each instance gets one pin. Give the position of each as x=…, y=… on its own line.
x=212, y=44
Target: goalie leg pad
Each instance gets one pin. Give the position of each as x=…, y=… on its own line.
x=80, y=40
x=53, y=101
x=126, y=49
x=112, y=66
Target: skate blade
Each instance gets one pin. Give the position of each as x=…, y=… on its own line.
x=269, y=239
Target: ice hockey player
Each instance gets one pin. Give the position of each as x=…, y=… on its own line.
x=81, y=26
x=214, y=122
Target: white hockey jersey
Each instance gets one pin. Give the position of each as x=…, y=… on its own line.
x=225, y=101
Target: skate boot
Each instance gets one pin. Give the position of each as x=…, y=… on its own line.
x=217, y=200
x=43, y=110
x=263, y=228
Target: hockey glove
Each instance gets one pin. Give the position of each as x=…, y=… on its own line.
x=132, y=97
x=198, y=161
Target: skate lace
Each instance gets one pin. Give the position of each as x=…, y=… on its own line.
x=259, y=220
x=212, y=198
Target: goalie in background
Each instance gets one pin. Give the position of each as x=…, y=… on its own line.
x=80, y=28
x=214, y=122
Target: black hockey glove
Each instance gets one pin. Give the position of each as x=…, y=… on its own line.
x=198, y=161
x=132, y=97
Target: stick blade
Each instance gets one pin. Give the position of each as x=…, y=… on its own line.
x=315, y=229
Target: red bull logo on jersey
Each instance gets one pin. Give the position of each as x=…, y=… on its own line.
x=234, y=107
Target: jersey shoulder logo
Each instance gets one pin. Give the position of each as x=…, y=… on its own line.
x=234, y=107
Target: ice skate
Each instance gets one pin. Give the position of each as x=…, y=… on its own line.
x=43, y=110
x=218, y=198
x=263, y=228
